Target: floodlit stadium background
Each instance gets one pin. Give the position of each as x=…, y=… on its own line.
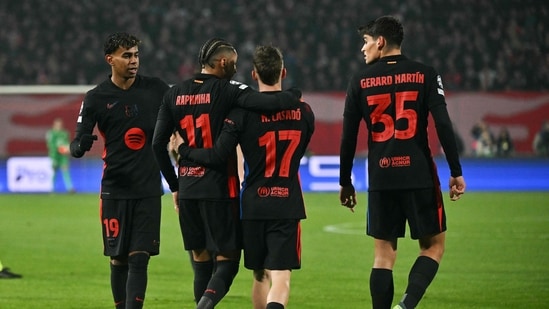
x=494, y=61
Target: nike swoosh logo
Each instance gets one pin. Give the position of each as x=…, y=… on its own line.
x=111, y=105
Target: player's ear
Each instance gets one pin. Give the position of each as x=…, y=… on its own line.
x=254, y=75
x=380, y=42
x=283, y=73
x=109, y=59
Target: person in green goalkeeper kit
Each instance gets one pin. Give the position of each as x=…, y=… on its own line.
x=57, y=140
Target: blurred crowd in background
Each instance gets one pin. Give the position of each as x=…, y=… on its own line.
x=476, y=45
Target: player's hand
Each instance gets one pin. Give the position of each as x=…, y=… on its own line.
x=175, y=197
x=347, y=197
x=176, y=140
x=63, y=150
x=86, y=141
x=457, y=187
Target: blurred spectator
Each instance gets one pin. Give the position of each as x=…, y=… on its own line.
x=541, y=140
x=504, y=143
x=47, y=42
x=477, y=129
x=485, y=145
x=484, y=141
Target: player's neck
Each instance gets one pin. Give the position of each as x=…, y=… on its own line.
x=266, y=88
x=212, y=71
x=390, y=52
x=122, y=82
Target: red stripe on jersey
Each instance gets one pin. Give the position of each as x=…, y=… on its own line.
x=233, y=186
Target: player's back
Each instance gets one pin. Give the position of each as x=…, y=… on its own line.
x=273, y=145
x=199, y=107
x=399, y=93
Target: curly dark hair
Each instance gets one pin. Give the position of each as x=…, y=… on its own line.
x=120, y=39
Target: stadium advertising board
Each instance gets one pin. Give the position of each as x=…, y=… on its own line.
x=29, y=174
x=317, y=174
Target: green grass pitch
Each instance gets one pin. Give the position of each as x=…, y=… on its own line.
x=497, y=256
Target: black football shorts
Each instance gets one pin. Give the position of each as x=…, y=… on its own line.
x=272, y=244
x=389, y=210
x=211, y=225
x=131, y=225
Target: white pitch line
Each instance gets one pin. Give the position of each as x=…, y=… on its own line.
x=349, y=228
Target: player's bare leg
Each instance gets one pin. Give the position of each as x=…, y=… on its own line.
x=280, y=289
x=260, y=288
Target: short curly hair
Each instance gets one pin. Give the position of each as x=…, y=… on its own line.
x=120, y=39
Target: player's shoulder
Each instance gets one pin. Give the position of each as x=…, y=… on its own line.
x=306, y=106
x=237, y=84
x=307, y=111
x=150, y=79
x=418, y=65
x=99, y=89
x=154, y=82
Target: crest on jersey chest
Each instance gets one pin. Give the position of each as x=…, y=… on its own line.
x=131, y=110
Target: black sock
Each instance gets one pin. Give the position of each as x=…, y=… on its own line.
x=119, y=277
x=137, y=280
x=381, y=288
x=422, y=273
x=220, y=282
x=273, y=305
x=202, y=275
